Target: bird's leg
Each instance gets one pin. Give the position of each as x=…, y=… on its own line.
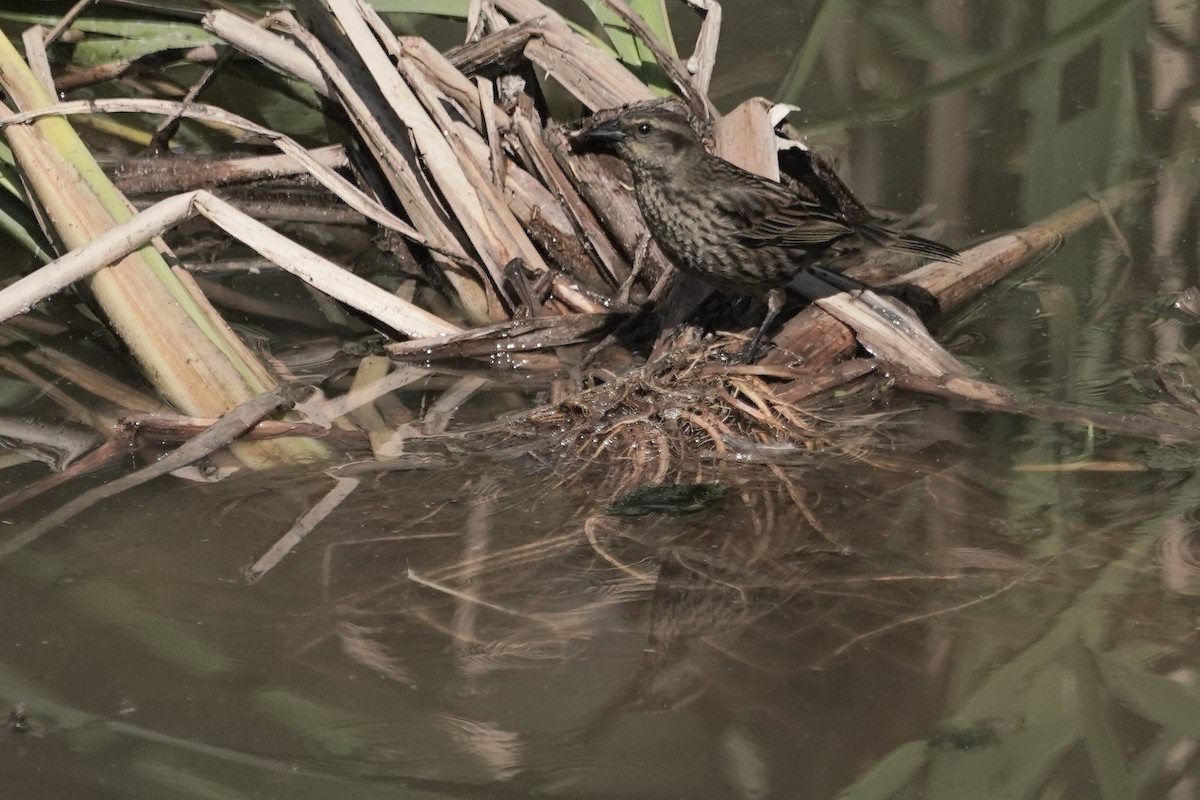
x=775, y=300
x=528, y=296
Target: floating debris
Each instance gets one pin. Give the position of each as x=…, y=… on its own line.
x=675, y=498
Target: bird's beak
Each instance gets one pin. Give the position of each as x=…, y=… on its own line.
x=609, y=131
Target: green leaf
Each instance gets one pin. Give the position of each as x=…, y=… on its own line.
x=455, y=9
x=19, y=223
x=895, y=770
x=631, y=50
x=108, y=604
x=1099, y=736
x=183, y=783
x=1045, y=726
x=101, y=50
x=1169, y=703
x=108, y=26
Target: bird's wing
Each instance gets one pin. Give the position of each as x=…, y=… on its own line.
x=767, y=213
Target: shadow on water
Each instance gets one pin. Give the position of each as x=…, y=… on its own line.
x=482, y=630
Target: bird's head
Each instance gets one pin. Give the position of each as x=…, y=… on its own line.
x=648, y=136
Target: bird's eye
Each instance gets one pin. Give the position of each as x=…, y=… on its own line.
x=644, y=127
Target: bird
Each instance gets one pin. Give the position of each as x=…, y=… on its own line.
x=742, y=233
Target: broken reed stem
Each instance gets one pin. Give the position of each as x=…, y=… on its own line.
x=982, y=395
x=342, y=488
x=464, y=597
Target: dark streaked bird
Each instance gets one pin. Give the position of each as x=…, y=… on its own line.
x=740, y=232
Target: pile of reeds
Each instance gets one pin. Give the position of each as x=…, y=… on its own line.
x=532, y=254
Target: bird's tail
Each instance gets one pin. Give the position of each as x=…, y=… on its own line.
x=928, y=248
x=908, y=243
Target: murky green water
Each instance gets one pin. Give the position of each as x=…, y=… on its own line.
x=976, y=606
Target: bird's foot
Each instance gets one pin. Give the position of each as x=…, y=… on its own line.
x=747, y=355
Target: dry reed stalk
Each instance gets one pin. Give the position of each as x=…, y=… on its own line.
x=183, y=345
x=388, y=140
x=509, y=338
x=445, y=78
x=121, y=239
x=596, y=179
x=313, y=164
x=114, y=70
x=978, y=394
x=501, y=50
x=184, y=173
x=887, y=329
x=384, y=444
x=817, y=340
x=453, y=153
x=327, y=412
x=704, y=55
x=583, y=224
x=78, y=373
x=553, y=228
x=490, y=225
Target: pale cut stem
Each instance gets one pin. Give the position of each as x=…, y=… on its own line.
x=304, y=526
